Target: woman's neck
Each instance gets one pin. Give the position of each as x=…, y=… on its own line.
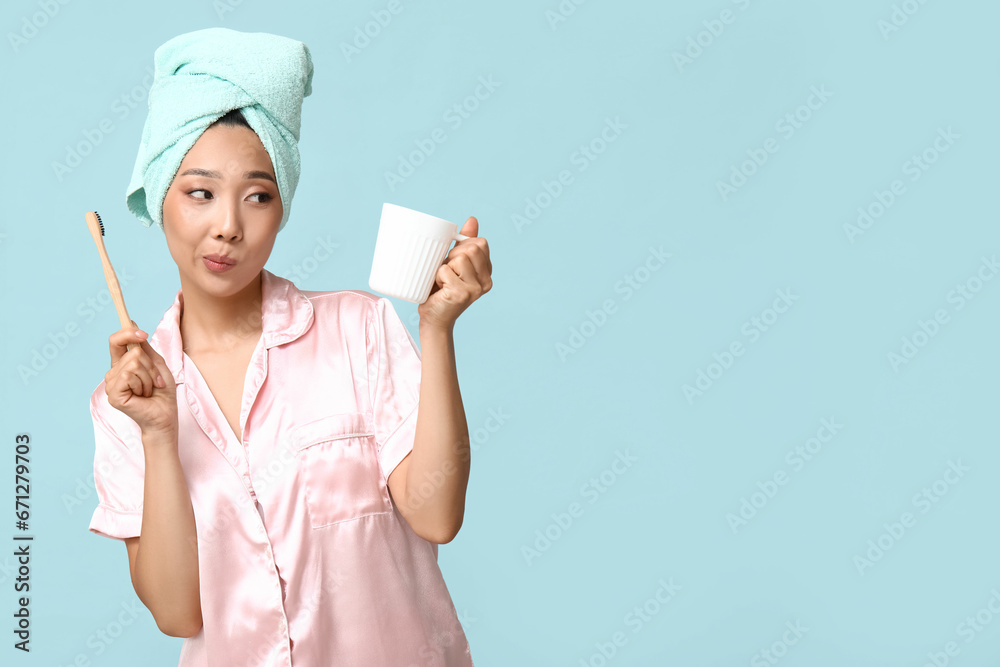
x=211, y=324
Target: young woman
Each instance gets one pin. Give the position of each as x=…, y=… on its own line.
x=262, y=455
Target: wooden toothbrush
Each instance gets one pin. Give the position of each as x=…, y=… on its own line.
x=97, y=231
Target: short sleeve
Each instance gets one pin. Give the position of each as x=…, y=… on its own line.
x=394, y=369
x=119, y=470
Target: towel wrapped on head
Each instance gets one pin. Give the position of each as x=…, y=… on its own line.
x=199, y=77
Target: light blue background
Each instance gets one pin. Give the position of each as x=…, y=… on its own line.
x=566, y=416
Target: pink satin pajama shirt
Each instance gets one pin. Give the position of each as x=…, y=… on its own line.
x=303, y=557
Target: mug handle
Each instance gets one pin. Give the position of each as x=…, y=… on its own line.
x=461, y=237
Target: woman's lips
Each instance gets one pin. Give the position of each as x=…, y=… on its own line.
x=218, y=267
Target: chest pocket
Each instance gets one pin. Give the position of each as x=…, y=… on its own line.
x=339, y=463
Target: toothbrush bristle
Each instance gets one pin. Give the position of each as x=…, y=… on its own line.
x=101, y=224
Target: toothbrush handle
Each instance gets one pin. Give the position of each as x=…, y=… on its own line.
x=109, y=275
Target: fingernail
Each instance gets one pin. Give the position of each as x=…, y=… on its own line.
x=140, y=334
x=160, y=382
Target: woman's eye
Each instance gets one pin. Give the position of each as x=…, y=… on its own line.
x=265, y=195
x=205, y=191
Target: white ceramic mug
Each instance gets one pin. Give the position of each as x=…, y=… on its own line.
x=410, y=248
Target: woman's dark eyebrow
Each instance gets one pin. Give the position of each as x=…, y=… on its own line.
x=214, y=174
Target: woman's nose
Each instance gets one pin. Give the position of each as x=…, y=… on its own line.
x=230, y=223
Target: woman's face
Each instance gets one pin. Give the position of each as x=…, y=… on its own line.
x=223, y=201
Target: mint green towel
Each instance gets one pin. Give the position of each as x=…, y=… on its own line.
x=198, y=78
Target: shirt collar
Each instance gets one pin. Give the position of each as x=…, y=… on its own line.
x=286, y=314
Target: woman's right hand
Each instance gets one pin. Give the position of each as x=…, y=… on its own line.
x=132, y=384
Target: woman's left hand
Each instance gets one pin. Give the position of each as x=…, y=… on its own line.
x=463, y=278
